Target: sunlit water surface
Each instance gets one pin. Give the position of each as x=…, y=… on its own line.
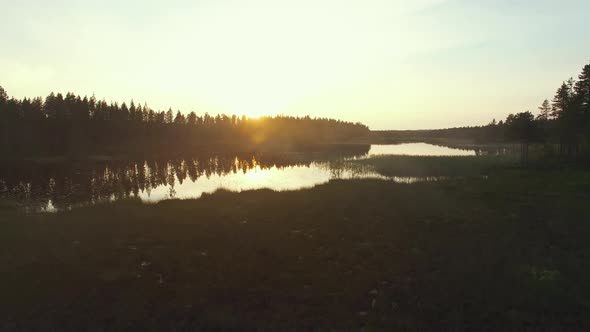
x=274, y=178
x=418, y=149
x=58, y=187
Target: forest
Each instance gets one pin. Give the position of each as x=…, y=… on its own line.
x=74, y=125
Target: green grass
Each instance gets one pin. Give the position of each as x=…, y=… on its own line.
x=508, y=252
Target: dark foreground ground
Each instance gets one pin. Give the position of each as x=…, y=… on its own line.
x=510, y=252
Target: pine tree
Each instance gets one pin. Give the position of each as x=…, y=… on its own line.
x=561, y=101
x=3, y=95
x=179, y=119
x=545, y=110
x=169, y=117
x=582, y=89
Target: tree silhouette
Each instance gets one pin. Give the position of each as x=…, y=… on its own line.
x=582, y=89
x=544, y=110
x=522, y=128
x=3, y=95
x=73, y=125
x=562, y=100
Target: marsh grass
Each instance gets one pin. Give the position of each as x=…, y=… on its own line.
x=437, y=166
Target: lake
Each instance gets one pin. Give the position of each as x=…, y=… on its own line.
x=418, y=149
x=56, y=186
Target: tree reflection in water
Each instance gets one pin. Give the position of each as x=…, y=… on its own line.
x=63, y=185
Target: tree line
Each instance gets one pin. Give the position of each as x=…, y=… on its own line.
x=71, y=124
x=562, y=124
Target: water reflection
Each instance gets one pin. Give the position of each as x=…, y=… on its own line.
x=57, y=186
x=419, y=149
x=427, y=149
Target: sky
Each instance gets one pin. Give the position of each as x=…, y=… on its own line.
x=390, y=64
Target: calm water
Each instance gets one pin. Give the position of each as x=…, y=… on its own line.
x=56, y=186
x=418, y=149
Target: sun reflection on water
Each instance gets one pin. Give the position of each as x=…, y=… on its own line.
x=54, y=187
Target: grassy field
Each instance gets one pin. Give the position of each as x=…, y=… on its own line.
x=506, y=252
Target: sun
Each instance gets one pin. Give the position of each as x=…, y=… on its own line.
x=254, y=117
x=254, y=114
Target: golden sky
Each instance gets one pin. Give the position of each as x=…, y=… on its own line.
x=389, y=64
